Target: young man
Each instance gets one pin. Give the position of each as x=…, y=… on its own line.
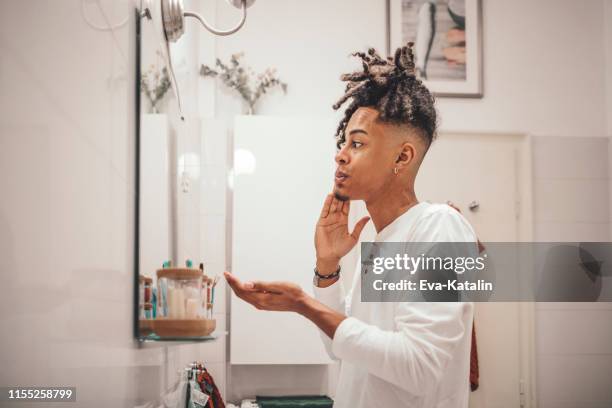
x=403, y=354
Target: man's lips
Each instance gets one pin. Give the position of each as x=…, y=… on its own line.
x=341, y=176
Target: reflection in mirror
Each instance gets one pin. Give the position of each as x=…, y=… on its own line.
x=175, y=294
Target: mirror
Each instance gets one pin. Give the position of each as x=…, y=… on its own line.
x=172, y=289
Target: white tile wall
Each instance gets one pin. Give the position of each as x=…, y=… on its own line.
x=569, y=158
x=572, y=200
x=573, y=340
x=574, y=380
x=67, y=133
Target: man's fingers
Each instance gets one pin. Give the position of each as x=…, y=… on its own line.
x=334, y=205
x=346, y=206
x=271, y=287
x=452, y=205
x=359, y=227
x=256, y=286
x=326, y=205
x=234, y=282
x=231, y=279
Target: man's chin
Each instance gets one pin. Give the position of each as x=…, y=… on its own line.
x=341, y=197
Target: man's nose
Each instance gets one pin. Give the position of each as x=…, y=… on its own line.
x=342, y=156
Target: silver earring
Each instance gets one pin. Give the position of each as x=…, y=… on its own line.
x=395, y=170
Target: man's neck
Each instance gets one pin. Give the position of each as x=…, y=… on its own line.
x=384, y=209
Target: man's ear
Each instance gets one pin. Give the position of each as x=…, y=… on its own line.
x=407, y=155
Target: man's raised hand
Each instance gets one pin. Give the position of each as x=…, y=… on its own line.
x=332, y=237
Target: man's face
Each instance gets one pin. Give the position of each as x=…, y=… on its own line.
x=366, y=159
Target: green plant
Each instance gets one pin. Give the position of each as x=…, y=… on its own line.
x=236, y=76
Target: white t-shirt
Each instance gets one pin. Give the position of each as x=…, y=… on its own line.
x=404, y=354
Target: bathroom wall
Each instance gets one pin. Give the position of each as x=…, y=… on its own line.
x=573, y=340
x=67, y=126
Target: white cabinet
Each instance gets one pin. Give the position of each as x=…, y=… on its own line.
x=283, y=169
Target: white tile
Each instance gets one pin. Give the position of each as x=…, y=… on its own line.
x=25, y=215
x=570, y=157
x=571, y=232
x=567, y=200
x=122, y=213
x=574, y=380
x=554, y=403
x=574, y=332
x=80, y=182
x=122, y=148
x=573, y=306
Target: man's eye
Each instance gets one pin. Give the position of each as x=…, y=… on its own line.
x=354, y=145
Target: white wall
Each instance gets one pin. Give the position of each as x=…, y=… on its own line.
x=543, y=61
x=571, y=179
x=67, y=126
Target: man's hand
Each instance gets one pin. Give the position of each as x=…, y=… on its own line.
x=278, y=296
x=481, y=247
x=332, y=238
x=286, y=297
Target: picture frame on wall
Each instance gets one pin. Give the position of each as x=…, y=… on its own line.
x=447, y=36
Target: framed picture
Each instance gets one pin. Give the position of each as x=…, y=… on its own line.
x=447, y=36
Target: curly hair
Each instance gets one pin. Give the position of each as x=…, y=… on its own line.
x=391, y=87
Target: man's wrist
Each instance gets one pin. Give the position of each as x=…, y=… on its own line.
x=324, y=283
x=327, y=266
x=323, y=316
x=304, y=305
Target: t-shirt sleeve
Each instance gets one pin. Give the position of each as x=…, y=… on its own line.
x=334, y=297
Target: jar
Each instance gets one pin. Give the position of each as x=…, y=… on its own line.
x=179, y=293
